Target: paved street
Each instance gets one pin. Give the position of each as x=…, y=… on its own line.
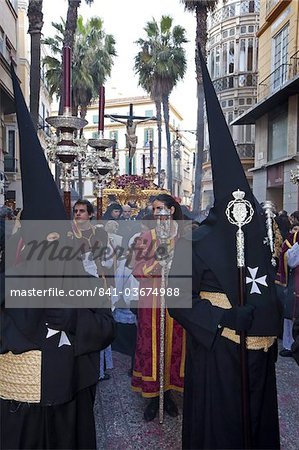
x=119, y=412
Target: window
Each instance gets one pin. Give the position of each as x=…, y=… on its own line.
x=1, y=41
x=14, y=3
x=230, y=103
x=251, y=29
x=215, y=62
x=241, y=101
x=149, y=113
x=114, y=135
x=250, y=55
x=229, y=11
x=231, y=58
x=10, y=157
x=95, y=118
x=8, y=49
x=246, y=55
x=231, y=31
x=278, y=133
x=228, y=56
x=94, y=135
x=280, y=57
x=148, y=136
x=249, y=101
x=225, y=34
x=248, y=133
x=223, y=104
x=248, y=7
x=230, y=118
x=243, y=29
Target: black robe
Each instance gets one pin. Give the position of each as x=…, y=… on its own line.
x=64, y=416
x=212, y=394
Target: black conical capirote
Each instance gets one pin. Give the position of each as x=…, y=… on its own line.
x=227, y=170
x=217, y=236
x=41, y=198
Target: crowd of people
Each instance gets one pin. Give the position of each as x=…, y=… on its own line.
x=136, y=268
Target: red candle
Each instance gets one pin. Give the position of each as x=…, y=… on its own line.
x=101, y=108
x=151, y=153
x=67, y=62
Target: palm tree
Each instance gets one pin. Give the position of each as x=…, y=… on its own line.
x=201, y=8
x=35, y=17
x=94, y=50
x=69, y=33
x=92, y=61
x=161, y=63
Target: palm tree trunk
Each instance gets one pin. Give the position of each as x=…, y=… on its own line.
x=165, y=103
x=69, y=36
x=201, y=40
x=35, y=17
x=158, y=114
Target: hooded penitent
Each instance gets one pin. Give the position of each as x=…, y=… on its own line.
x=70, y=351
x=218, y=236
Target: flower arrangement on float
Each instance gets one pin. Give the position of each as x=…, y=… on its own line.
x=124, y=180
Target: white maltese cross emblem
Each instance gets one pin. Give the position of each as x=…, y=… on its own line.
x=64, y=340
x=255, y=281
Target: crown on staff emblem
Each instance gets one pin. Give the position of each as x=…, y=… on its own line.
x=239, y=211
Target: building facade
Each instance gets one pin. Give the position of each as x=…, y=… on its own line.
x=8, y=50
x=20, y=52
x=276, y=113
x=232, y=61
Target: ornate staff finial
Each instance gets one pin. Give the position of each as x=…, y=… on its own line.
x=269, y=209
x=239, y=212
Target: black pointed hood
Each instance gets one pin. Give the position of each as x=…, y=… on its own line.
x=41, y=198
x=216, y=237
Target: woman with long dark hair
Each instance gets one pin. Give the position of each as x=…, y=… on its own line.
x=147, y=270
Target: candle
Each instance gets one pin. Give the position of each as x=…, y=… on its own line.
x=143, y=164
x=67, y=61
x=114, y=150
x=151, y=153
x=101, y=108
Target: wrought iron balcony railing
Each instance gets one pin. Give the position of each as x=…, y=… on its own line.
x=281, y=75
x=10, y=164
x=235, y=81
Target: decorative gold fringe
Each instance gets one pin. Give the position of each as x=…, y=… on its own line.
x=253, y=342
x=20, y=376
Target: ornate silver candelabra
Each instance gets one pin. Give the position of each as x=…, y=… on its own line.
x=66, y=149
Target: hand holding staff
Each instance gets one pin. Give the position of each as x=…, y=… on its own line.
x=239, y=212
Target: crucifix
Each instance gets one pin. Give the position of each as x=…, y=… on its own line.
x=131, y=123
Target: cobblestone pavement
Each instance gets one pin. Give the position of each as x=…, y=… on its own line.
x=119, y=411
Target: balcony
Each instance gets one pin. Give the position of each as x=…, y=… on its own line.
x=279, y=77
x=235, y=82
x=43, y=125
x=245, y=151
x=10, y=164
